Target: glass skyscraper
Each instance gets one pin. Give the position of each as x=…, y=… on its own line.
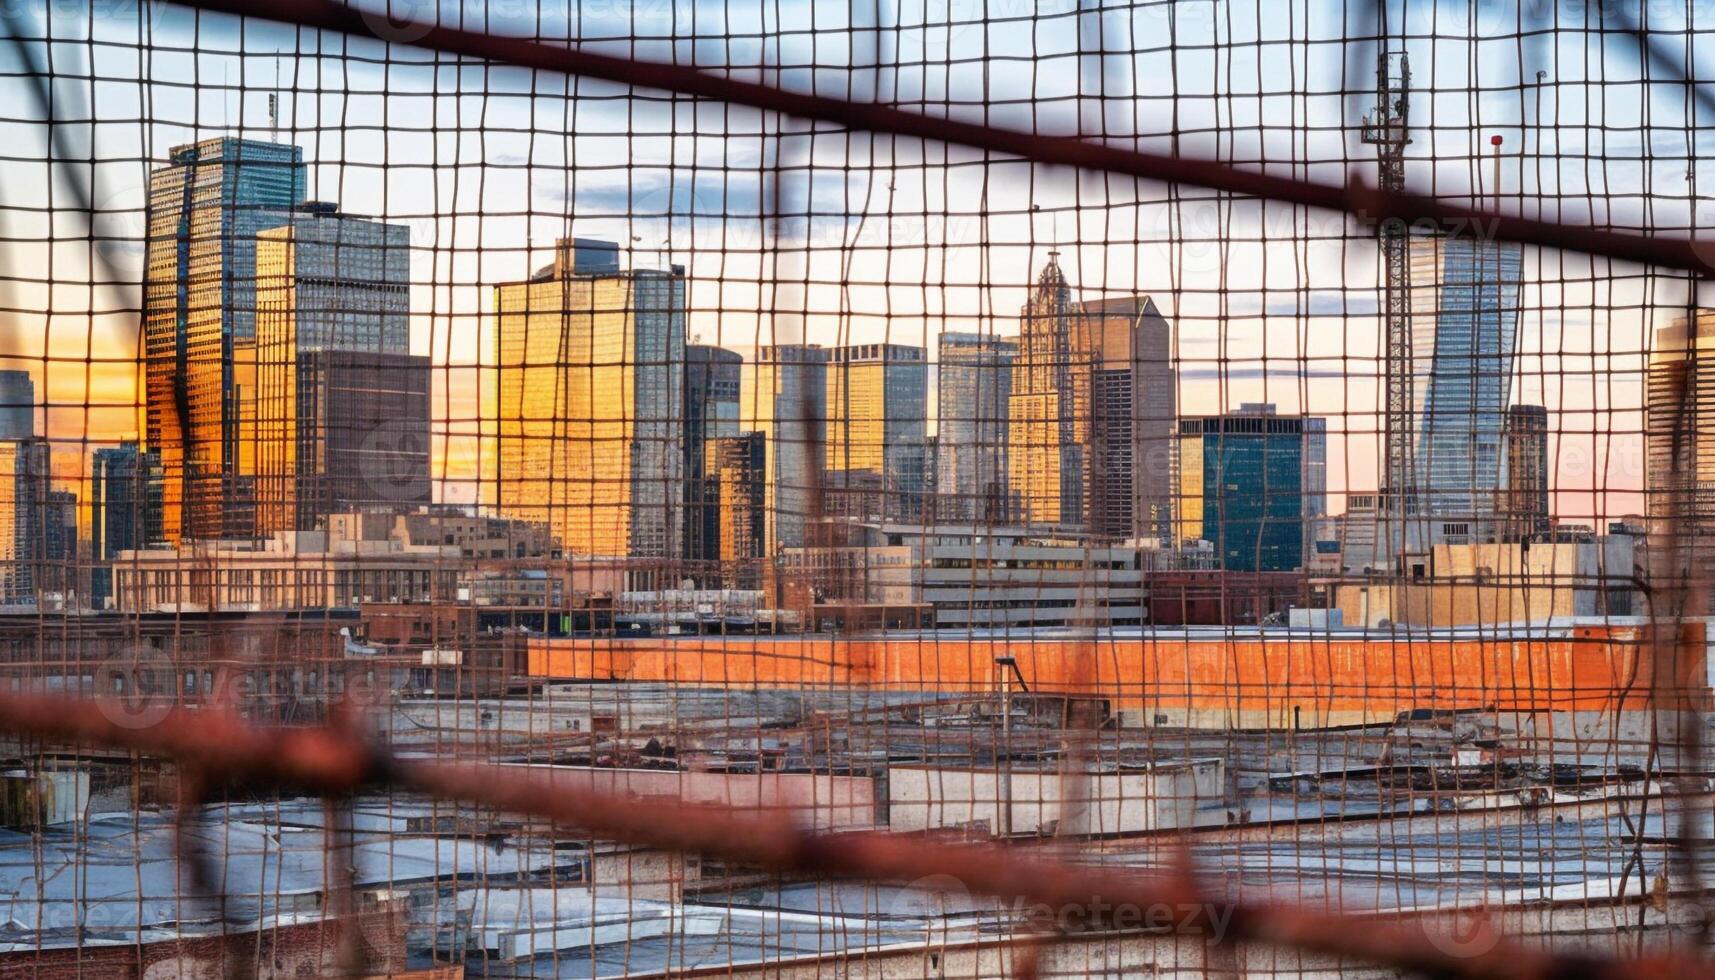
x=206, y=207
x=1247, y=485
x=877, y=427
x=1464, y=327
x=783, y=395
x=974, y=385
x=591, y=366
x=337, y=415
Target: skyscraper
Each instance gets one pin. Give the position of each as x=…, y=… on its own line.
x=711, y=412
x=1045, y=427
x=738, y=487
x=1243, y=487
x=1679, y=450
x=57, y=568
x=783, y=395
x=17, y=405
x=1523, y=507
x=206, y=207
x=24, y=492
x=591, y=365
x=877, y=403
x=1124, y=356
x=339, y=415
x=1464, y=324
x=124, y=510
x=1091, y=415
x=974, y=387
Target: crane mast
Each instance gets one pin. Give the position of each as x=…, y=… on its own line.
x=1385, y=128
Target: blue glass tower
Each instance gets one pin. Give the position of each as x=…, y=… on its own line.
x=1464, y=308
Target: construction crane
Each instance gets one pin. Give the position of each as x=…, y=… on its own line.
x=1385, y=128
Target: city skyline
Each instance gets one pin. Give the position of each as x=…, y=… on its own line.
x=695, y=210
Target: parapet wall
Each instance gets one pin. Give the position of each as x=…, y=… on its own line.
x=1246, y=679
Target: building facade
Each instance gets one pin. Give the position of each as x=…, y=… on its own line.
x=124, y=510
x=738, y=489
x=1464, y=325
x=591, y=365
x=1047, y=425
x=973, y=390
x=24, y=489
x=206, y=206
x=1243, y=488
x=1523, y=508
x=1092, y=412
x=877, y=405
x=783, y=395
x=17, y=405
x=973, y=577
x=338, y=413
x=712, y=379
x=1679, y=439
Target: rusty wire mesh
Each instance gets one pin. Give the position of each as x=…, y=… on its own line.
x=811, y=489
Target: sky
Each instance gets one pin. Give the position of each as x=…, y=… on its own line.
x=797, y=232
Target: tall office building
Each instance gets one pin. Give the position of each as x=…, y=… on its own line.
x=1244, y=487
x=591, y=364
x=1126, y=346
x=711, y=412
x=58, y=569
x=1464, y=325
x=973, y=389
x=783, y=395
x=24, y=489
x=738, y=486
x=124, y=510
x=17, y=405
x=1045, y=427
x=1679, y=425
x=1523, y=508
x=206, y=207
x=338, y=416
x=877, y=403
x=1091, y=414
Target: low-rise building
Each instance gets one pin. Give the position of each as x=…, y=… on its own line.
x=1567, y=573
x=356, y=557
x=970, y=576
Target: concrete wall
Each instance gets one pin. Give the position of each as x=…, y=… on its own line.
x=814, y=800
x=1165, y=797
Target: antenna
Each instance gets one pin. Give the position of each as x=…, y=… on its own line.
x=1386, y=128
x=274, y=105
x=1495, y=141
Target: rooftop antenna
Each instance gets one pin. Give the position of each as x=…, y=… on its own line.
x=1495, y=141
x=1387, y=128
x=274, y=105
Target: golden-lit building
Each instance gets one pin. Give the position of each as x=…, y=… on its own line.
x=590, y=374
x=877, y=397
x=206, y=206
x=736, y=467
x=1091, y=413
x=783, y=395
x=1679, y=412
x=338, y=414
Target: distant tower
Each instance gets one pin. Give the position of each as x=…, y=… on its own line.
x=206, y=206
x=1386, y=128
x=1524, y=506
x=975, y=385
